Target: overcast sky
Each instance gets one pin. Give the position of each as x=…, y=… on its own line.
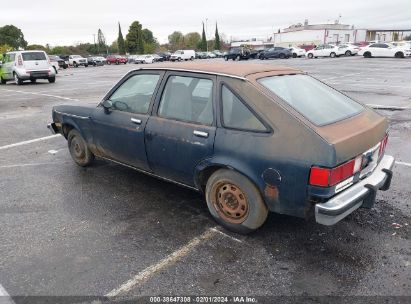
x=69, y=22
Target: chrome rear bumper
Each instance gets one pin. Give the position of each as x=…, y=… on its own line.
x=361, y=194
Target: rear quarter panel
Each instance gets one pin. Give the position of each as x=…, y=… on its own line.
x=289, y=150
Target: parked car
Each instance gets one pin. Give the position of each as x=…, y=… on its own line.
x=102, y=59
x=158, y=58
x=319, y=153
x=54, y=63
x=116, y=59
x=60, y=62
x=148, y=59
x=325, y=50
x=77, y=60
x=349, y=49
x=237, y=53
x=26, y=65
x=384, y=50
x=297, y=52
x=94, y=61
x=402, y=44
x=183, y=55
x=211, y=55
x=276, y=52
x=165, y=55
x=66, y=60
x=201, y=55
x=218, y=53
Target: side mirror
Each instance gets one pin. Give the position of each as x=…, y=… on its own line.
x=107, y=105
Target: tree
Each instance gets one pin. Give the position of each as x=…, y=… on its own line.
x=148, y=36
x=33, y=47
x=120, y=41
x=135, y=42
x=101, y=41
x=203, y=43
x=217, y=42
x=191, y=40
x=13, y=36
x=176, y=41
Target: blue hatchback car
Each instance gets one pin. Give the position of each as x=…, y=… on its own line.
x=253, y=138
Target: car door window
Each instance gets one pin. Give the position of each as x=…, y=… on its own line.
x=236, y=115
x=134, y=95
x=188, y=99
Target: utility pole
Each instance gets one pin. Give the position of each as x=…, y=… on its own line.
x=207, y=33
x=94, y=36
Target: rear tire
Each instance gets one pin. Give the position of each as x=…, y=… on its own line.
x=348, y=53
x=333, y=55
x=238, y=58
x=79, y=150
x=295, y=55
x=310, y=55
x=33, y=80
x=3, y=81
x=52, y=79
x=282, y=56
x=367, y=55
x=235, y=202
x=225, y=58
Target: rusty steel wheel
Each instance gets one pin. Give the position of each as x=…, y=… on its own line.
x=235, y=202
x=231, y=203
x=78, y=149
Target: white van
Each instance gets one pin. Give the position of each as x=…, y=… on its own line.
x=26, y=65
x=183, y=55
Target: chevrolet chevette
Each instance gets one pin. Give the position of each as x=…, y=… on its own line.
x=253, y=138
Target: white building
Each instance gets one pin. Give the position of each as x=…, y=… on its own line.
x=314, y=34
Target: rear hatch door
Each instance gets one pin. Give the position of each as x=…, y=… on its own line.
x=35, y=61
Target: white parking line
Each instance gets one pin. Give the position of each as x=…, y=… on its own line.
x=40, y=94
x=403, y=164
x=168, y=261
x=226, y=235
x=386, y=107
x=29, y=141
x=5, y=297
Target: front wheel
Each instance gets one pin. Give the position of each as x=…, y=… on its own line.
x=399, y=55
x=17, y=79
x=79, y=151
x=310, y=55
x=3, y=81
x=333, y=55
x=347, y=53
x=294, y=55
x=235, y=202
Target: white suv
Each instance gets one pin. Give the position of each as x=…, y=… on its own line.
x=26, y=65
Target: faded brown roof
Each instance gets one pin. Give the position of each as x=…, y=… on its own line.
x=229, y=68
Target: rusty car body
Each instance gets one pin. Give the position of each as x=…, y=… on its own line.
x=299, y=159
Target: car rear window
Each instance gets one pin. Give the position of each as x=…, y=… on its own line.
x=30, y=56
x=316, y=101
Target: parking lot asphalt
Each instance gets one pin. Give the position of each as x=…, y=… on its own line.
x=108, y=230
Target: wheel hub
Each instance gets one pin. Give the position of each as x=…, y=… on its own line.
x=231, y=203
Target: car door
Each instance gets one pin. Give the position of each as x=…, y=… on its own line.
x=180, y=133
x=318, y=51
x=8, y=66
x=118, y=133
x=386, y=50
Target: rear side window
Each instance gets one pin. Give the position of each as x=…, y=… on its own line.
x=189, y=99
x=32, y=56
x=316, y=101
x=236, y=115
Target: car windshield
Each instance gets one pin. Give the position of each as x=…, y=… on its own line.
x=31, y=56
x=316, y=101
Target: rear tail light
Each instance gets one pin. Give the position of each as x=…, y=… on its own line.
x=19, y=60
x=383, y=145
x=325, y=177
